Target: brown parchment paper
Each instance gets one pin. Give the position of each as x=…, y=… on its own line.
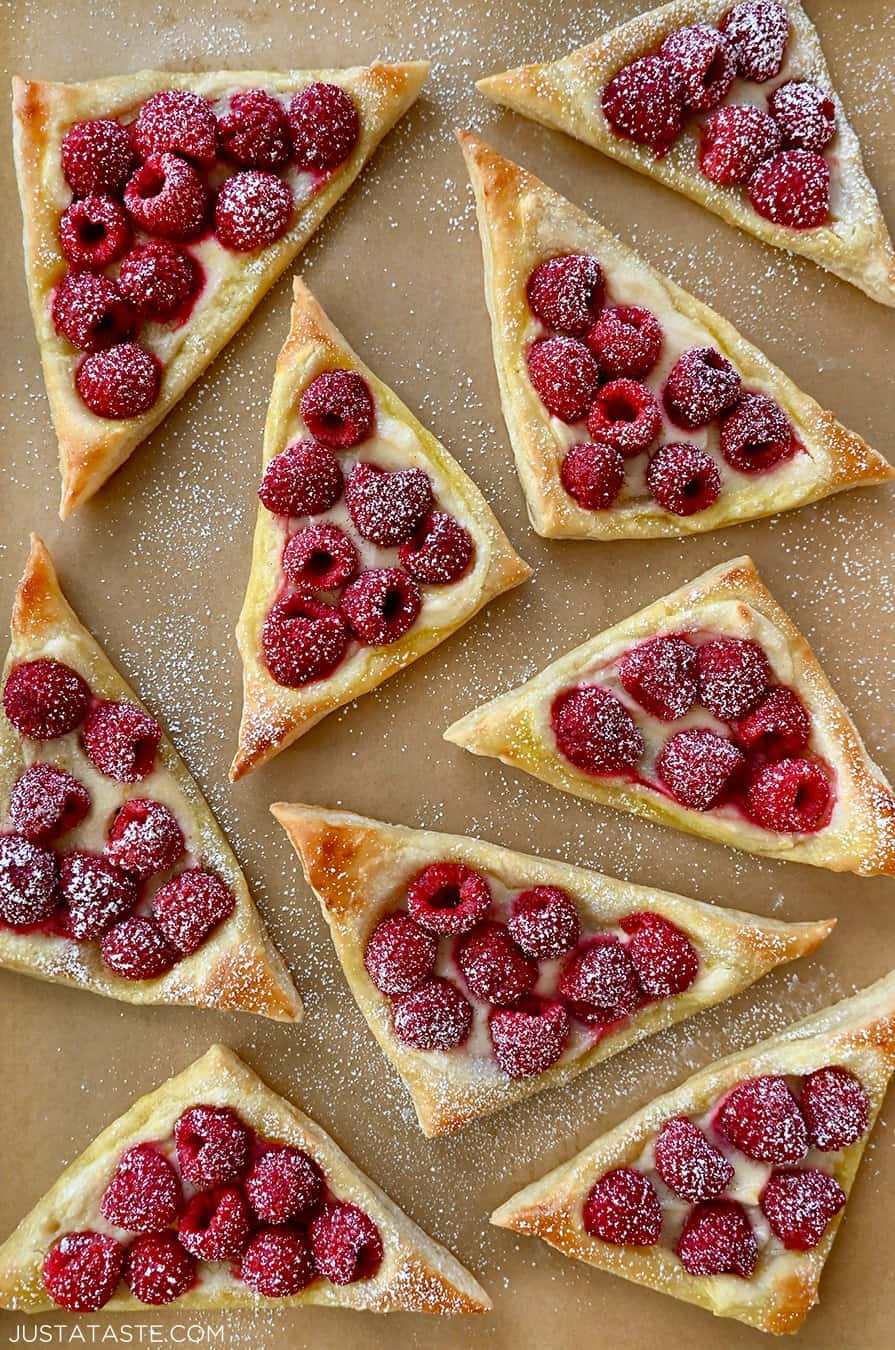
x=156, y=566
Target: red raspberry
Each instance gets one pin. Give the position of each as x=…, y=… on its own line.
x=253, y=209
x=338, y=409
x=595, y=731
x=544, y=922
x=81, y=1270
x=388, y=505
x=440, y=551
x=145, y=838
x=683, y=478
x=805, y=115
x=381, y=606
x=756, y=434
x=733, y=676
x=254, y=131
x=625, y=414
x=28, y=875
x=97, y=158
x=644, y=102
x=136, y=949
x=599, y=980
x=283, y=1184
x=762, y=1119
x=593, y=474
x=346, y=1244
x=433, y=1016
x=778, y=726
x=566, y=293
x=790, y=795
x=527, y=1041
x=704, y=60
x=757, y=31
x=91, y=312
x=321, y=557
x=701, y=385
x=494, y=968
x=302, y=480
x=94, y=232
x=448, y=898
x=159, y=279
x=325, y=126
x=212, y=1145
x=45, y=699
x=565, y=376
x=735, y=140
x=699, y=768
x=661, y=675
x=167, y=197
x=717, y=1239
x=623, y=1208
x=303, y=640
x=798, y=1203
x=277, y=1263
x=178, y=121
x=835, y=1108
x=46, y=802
x=217, y=1224
x=190, y=906
x=665, y=959
x=157, y=1270
x=144, y=1192
x=95, y=894
x=626, y=341
x=399, y=954
x=688, y=1164
x=121, y=382
x=121, y=740
x=792, y=189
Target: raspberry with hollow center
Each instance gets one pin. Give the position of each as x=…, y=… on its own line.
x=381, y=605
x=190, y=906
x=95, y=894
x=254, y=131
x=321, y=557
x=302, y=480
x=790, y=795
x=283, y=1184
x=757, y=30
x=702, y=385
x=253, y=209
x=166, y=196
x=705, y=63
x=644, y=102
x=399, y=954
x=792, y=189
x=157, y=1269
x=627, y=342
x=28, y=882
x=566, y=292
x=97, y=158
x=835, y=1108
x=448, y=898
x=120, y=382
x=277, y=1263
x=121, y=740
x=544, y=922
x=494, y=968
x=564, y=375
x=665, y=959
x=388, y=505
x=93, y=232
x=46, y=801
x=145, y=838
x=325, y=126
x=733, y=676
x=625, y=414
x=91, y=312
x=136, y=949
x=599, y=980
x=776, y=727
x=143, y=1194
x=735, y=140
x=212, y=1145
x=699, y=768
x=717, y=1239
x=338, y=409
x=44, y=699
x=683, y=478
x=688, y=1164
x=622, y=1208
x=179, y=121
x=661, y=675
x=799, y=1203
x=303, y=640
x=159, y=279
x=346, y=1244
x=595, y=731
x=81, y=1270
x=756, y=434
x=805, y=115
x=593, y=474
x=440, y=552
x=216, y=1225
x=433, y=1016
x=762, y=1119
x=527, y=1040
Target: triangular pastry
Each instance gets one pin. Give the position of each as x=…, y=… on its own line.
x=114, y=875
x=727, y=1192
x=487, y=975
x=159, y=208
x=371, y=546
x=708, y=711
x=214, y=1192
x=734, y=106
x=634, y=410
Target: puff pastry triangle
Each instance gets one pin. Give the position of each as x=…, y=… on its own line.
x=389, y=528
x=838, y=1062
x=394, y=1266
x=233, y=276
x=384, y=891
x=114, y=875
x=852, y=241
x=726, y=727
